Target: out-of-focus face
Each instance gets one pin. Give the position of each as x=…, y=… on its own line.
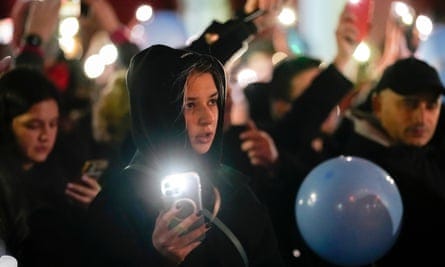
x=409, y=120
x=302, y=80
x=201, y=110
x=35, y=131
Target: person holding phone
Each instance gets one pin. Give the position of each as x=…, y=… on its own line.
x=177, y=102
x=41, y=213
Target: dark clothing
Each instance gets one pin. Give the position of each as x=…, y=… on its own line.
x=232, y=34
x=302, y=123
x=420, y=176
x=293, y=135
x=40, y=226
x=123, y=215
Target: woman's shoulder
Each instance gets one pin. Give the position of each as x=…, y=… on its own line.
x=235, y=184
x=232, y=177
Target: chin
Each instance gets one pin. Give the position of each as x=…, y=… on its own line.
x=39, y=158
x=201, y=149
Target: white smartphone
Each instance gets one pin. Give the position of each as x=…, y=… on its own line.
x=182, y=190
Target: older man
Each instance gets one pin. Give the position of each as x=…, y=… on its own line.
x=395, y=132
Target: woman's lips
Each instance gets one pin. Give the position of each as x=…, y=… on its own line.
x=204, y=138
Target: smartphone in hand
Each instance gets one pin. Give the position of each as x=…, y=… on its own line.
x=94, y=168
x=363, y=11
x=183, y=190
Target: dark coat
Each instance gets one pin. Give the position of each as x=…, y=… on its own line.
x=39, y=225
x=123, y=216
x=419, y=174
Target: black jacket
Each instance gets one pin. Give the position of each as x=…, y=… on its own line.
x=419, y=173
x=38, y=223
x=124, y=214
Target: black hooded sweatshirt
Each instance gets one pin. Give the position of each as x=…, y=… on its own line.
x=123, y=215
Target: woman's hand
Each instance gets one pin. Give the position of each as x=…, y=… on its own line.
x=347, y=39
x=272, y=9
x=259, y=146
x=84, y=192
x=5, y=64
x=173, y=243
x=34, y=17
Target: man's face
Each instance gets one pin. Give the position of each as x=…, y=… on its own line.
x=409, y=120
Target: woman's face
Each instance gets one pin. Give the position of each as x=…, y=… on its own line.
x=201, y=110
x=35, y=131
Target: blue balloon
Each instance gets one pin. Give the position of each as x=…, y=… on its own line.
x=349, y=211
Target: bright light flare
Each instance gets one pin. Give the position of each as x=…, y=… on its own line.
x=246, y=76
x=424, y=26
x=68, y=27
x=287, y=16
x=94, y=66
x=362, y=53
x=144, y=13
x=108, y=53
x=404, y=12
x=6, y=30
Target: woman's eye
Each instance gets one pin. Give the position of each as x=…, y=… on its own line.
x=32, y=125
x=189, y=105
x=54, y=124
x=214, y=101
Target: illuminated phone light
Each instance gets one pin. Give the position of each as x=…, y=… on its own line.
x=287, y=16
x=6, y=30
x=424, y=26
x=8, y=261
x=246, y=76
x=144, y=13
x=109, y=53
x=354, y=2
x=94, y=66
x=362, y=53
x=68, y=27
x=174, y=185
x=403, y=11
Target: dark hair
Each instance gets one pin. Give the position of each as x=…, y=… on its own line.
x=283, y=73
x=20, y=89
x=206, y=65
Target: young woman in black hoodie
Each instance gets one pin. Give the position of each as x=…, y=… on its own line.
x=177, y=102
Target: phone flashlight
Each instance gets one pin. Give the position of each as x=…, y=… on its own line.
x=403, y=13
x=182, y=190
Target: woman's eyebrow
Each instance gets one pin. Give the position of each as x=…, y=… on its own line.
x=214, y=94
x=195, y=97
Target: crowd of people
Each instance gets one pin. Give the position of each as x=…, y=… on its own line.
x=167, y=111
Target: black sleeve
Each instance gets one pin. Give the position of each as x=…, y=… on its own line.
x=231, y=34
x=302, y=123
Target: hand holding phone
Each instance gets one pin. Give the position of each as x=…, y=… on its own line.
x=363, y=11
x=183, y=191
x=94, y=168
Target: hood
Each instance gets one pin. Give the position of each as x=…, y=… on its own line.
x=155, y=82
